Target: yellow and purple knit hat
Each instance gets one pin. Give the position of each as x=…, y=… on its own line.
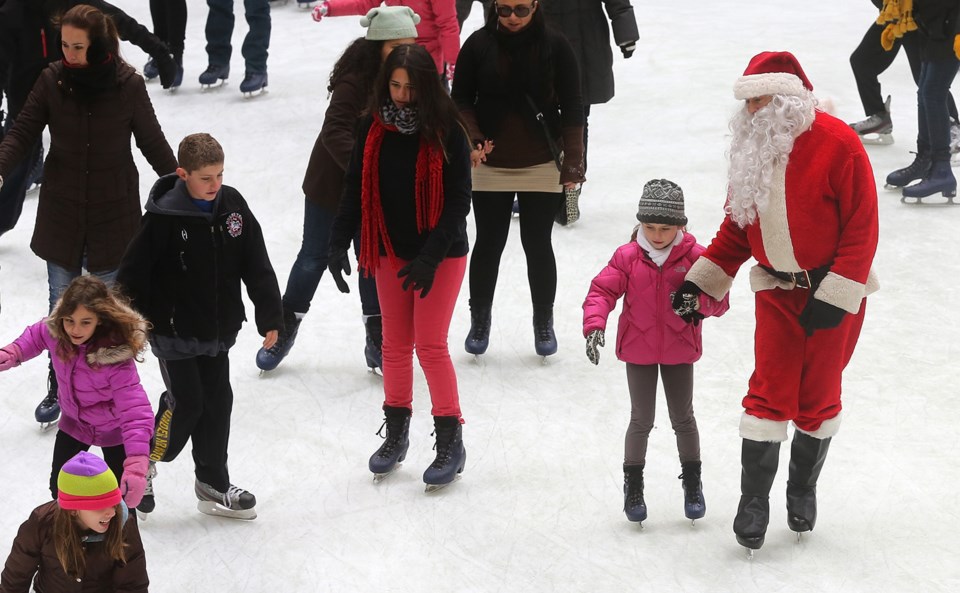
x=86, y=483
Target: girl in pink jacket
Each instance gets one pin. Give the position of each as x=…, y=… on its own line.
x=94, y=339
x=437, y=30
x=652, y=338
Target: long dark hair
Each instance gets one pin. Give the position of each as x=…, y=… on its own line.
x=362, y=59
x=100, y=28
x=438, y=113
x=525, y=60
x=537, y=23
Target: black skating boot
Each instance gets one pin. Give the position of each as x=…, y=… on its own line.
x=48, y=410
x=759, y=461
x=694, y=505
x=479, y=337
x=148, y=503
x=939, y=179
x=633, y=504
x=807, y=455
x=373, y=350
x=214, y=74
x=918, y=169
x=395, y=443
x=270, y=358
x=451, y=454
x=545, y=340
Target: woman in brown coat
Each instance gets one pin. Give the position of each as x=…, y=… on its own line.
x=89, y=206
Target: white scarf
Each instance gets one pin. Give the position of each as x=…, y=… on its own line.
x=659, y=256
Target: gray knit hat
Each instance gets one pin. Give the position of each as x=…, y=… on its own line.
x=661, y=203
x=384, y=23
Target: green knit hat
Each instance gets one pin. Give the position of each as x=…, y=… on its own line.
x=86, y=483
x=384, y=23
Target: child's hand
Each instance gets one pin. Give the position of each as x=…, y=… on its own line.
x=271, y=339
x=134, y=479
x=686, y=302
x=594, y=340
x=480, y=151
x=10, y=357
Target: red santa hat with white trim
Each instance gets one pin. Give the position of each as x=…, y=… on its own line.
x=772, y=73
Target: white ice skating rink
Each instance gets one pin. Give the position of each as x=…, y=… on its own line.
x=539, y=505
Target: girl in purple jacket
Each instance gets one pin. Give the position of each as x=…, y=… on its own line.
x=94, y=339
x=651, y=338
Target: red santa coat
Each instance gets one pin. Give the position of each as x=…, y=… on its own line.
x=822, y=212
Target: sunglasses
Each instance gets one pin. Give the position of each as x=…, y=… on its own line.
x=521, y=10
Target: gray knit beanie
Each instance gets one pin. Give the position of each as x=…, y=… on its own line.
x=384, y=23
x=661, y=203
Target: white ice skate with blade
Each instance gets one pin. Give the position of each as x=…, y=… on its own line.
x=235, y=503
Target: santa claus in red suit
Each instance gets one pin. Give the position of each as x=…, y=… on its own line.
x=802, y=202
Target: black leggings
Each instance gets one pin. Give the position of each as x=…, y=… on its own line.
x=65, y=447
x=492, y=212
x=170, y=24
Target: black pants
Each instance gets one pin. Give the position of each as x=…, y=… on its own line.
x=870, y=60
x=65, y=447
x=170, y=24
x=492, y=212
x=196, y=406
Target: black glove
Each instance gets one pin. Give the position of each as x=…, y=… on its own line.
x=686, y=302
x=419, y=273
x=167, y=67
x=339, y=264
x=818, y=314
x=627, y=49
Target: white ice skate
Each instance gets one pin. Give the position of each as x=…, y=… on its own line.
x=235, y=503
x=876, y=129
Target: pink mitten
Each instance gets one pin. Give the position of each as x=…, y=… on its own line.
x=134, y=479
x=320, y=11
x=10, y=357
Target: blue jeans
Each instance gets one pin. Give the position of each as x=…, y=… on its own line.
x=933, y=116
x=59, y=278
x=220, y=28
x=312, y=260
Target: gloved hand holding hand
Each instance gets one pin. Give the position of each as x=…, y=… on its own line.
x=319, y=11
x=134, y=479
x=168, y=71
x=628, y=48
x=10, y=357
x=818, y=314
x=686, y=302
x=419, y=273
x=339, y=264
x=594, y=340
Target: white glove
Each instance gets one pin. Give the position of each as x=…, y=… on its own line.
x=1, y=180
x=320, y=11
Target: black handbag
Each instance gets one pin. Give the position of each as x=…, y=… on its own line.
x=569, y=211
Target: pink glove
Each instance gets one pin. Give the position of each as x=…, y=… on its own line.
x=10, y=357
x=449, y=73
x=134, y=480
x=320, y=11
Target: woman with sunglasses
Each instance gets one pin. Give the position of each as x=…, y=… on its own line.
x=511, y=73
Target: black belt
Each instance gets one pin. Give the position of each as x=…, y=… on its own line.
x=808, y=279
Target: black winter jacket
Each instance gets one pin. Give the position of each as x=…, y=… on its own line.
x=938, y=22
x=183, y=271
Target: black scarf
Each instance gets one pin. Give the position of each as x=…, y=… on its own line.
x=87, y=82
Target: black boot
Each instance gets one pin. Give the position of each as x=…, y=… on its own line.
x=451, y=454
x=694, y=505
x=759, y=461
x=269, y=358
x=48, y=411
x=939, y=179
x=807, y=455
x=373, y=350
x=918, y=169
x=633, y=504
x=479, y=337
x=395, y=443
x=545, y=340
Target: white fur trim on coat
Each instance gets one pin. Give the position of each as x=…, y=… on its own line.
x=762, y=430
x=775, y=227
x=710, y=278
x=827, y=429
x=845, y=293
x=772, y=83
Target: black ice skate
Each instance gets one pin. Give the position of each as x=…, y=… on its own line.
x=633, y=504
x=269, y=358
x=388, y=458
x=807, y=455
x=478, y=340
x=235, y=503
x=544, y=338
x=214, y=75
x=147, y=503
x=373, y=347
x=694, y=505
x=876, y=129
x=48, y=411
x=254, y=83
x=759, y=460
x=451, y=454
x=918, y=169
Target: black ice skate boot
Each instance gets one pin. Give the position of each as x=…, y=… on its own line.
x=759, y=461
x=214, y=74
x=918, y=169
x=395, y=444
x=270, y=358
x=451, y=454
x=633, y=503
x=545, y=340
x=694, y=505
x=235, y=503
x=148, y=503
x=253, y=82
x=939, y=179
x=373, y=350
x=807, y=455
x=479, y=337
x=48, y=410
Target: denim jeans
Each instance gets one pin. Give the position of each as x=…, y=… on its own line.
x=311, y=263
x=219, y=29
x=933, y=116
x=59, y=278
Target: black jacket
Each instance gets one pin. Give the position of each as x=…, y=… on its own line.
x=584, y=25
x=938, y=22
x=183, y=271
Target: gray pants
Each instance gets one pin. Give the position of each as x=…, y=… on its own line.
x=678, y=386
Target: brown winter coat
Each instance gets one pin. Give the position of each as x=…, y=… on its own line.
x=34, y=553
x=90, y=196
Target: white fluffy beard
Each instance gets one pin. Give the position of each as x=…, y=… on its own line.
x=761, y=142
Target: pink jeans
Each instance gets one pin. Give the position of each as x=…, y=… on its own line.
x=411, y=322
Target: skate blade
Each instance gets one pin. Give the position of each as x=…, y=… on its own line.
x=917, y=201
x=46, y=426
x=255, y=94
x=435, y=487
x=750, y=554
x=877, y=139
x=216, y=509
x=377, y=478
x=206, y=88
x=141, y=516
x=375, y=371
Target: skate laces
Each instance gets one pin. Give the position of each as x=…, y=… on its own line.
x=443, y=446
x=391, y=439
x=481, y=328
x=151, y=474
x=691, y=488
x=232, y=496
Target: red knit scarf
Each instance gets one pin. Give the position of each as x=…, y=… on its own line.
x=428, y=193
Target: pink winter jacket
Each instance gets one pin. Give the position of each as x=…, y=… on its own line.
x=438, y=31
x=649, y=331
x=101, y=400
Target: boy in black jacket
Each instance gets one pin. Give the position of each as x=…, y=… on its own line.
x=182, y=271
